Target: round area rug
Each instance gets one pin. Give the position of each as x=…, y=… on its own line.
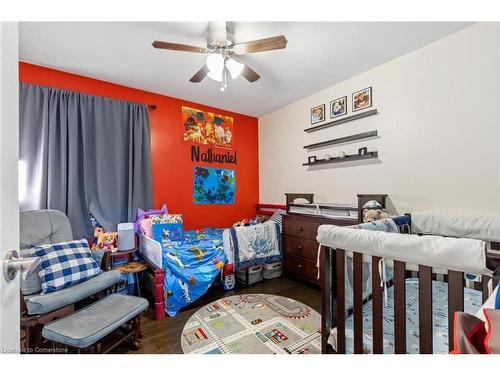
x=253, y=324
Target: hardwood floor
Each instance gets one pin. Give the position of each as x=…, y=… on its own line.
x=164, y=337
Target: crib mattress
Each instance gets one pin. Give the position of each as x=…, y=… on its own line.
x=472, y=304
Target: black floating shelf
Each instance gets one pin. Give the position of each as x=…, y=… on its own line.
x=349, y=138
x=342, y=120
x=370, y=155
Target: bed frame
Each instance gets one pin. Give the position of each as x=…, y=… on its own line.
x=151, y=253
x=333, y=300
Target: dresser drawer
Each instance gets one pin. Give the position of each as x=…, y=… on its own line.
x=301, y=268
x=301, y=228
x=301, y=247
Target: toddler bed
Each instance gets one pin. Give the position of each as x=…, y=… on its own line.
x=395, y=312
x=182, y=271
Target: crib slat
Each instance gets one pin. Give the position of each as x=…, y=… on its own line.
x=399, y=307
x=484, y=286
x=340, y=297
x=455, y=300
x=357, y=293
x=377, y=312
x=425, y=308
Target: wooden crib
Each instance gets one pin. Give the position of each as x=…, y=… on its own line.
x=333, y=300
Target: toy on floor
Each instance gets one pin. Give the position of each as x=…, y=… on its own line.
x=228, y=279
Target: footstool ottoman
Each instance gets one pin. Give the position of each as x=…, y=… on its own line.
x=94, y=327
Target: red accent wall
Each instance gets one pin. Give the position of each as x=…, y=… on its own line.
x=171, y=156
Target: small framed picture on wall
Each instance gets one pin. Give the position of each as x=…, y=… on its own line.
x=317, y=114
x=362, y=99
x=338, y=107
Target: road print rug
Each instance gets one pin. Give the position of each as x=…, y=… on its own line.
x=253, y=324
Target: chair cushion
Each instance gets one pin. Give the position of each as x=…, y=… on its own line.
x=43, y=227
x=45, y=303
x=94, y=322
x=40, y=227
x=66, y=264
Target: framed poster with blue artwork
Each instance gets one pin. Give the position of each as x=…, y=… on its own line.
x=214, y=185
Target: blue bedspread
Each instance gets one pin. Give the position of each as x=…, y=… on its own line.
x=191, y=266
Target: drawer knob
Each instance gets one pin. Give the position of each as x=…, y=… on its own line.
x=299, y=265
x=300, y=229
x=299, y=247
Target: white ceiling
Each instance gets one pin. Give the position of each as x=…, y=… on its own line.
x=318, y=55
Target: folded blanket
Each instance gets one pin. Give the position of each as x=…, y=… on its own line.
x=256, y=244
x=479, y=227
x=457, y=254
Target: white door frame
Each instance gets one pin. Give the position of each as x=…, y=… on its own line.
x=9, y=204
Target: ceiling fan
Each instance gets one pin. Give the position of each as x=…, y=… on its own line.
x=223, y=52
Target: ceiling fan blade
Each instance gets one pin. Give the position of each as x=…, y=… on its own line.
x=178, y=47
x=250, y=74
x=200, y=74
x=267, y=44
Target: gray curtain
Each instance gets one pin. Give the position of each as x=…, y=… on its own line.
x=83, y=154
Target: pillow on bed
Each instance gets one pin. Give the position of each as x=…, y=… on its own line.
x=145, y=227
x=141, y=215
x=146, y=224
x=166, y=219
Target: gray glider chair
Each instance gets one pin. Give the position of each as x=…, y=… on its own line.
x=41, y=227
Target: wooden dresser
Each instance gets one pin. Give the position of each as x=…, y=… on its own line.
x=300, y=248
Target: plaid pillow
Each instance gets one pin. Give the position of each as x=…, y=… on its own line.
x=65, y=264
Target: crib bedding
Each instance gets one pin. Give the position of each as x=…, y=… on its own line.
x=255, y=244
x=472, y=304
x=191, y=266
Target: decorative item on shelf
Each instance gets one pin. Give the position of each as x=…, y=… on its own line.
x=343, y=158
x=311, y=159
x=362, y=151
x=362, y=99
x=317, y=114
x=338, y=107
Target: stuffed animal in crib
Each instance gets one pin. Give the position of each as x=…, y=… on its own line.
x=371, y=214
x=107, y=241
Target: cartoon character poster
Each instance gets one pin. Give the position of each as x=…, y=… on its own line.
x=207, y=128
x=214, y=186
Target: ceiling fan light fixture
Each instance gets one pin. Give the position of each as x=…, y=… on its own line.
x=216, y=76
x=234, y=67
x=215, y=63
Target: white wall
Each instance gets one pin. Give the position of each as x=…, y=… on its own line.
x=439, y=127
